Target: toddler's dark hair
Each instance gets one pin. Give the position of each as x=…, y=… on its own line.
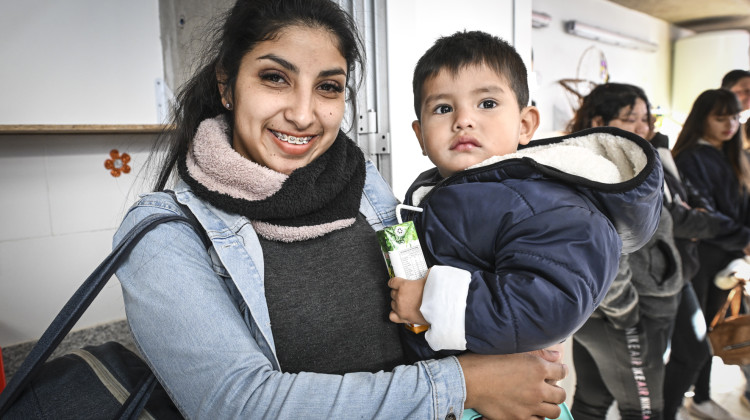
x=463, y=49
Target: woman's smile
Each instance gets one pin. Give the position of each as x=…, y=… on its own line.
x=292, y=139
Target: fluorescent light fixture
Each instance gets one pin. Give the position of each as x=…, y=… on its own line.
x=540, y=20
x=602, y=35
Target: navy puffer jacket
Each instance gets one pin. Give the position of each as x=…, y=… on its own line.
x=540, y=231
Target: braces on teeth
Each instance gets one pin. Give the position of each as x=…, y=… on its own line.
x=291, y=139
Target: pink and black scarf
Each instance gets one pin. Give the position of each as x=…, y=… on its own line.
x=313, y=200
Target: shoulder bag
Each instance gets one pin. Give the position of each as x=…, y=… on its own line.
x=97, y=382
x=730, y=335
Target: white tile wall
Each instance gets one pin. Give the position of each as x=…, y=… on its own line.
x=37, y=277
x=59, y=208
x=24, y=202
x=83, y=195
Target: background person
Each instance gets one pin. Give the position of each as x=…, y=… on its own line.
x=618, y=353
x=708, y=152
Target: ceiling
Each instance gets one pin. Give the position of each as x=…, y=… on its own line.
x=697, y=15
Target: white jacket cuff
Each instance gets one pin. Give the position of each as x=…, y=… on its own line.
x=444, y=307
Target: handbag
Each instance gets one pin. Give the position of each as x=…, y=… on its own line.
x=730, y=335
x=96, y=382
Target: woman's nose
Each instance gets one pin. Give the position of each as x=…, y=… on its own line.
x=642, y=129
x=301, y=110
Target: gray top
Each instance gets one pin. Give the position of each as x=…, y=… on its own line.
x=347, y=329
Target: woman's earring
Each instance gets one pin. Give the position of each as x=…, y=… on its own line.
x=228, y=105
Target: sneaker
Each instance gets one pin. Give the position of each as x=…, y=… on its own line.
x=708, y=410
x=745, y=400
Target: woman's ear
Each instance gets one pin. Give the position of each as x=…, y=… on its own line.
x=597, y=121
x=221, y=81
x=417, y=127
x=529, y=124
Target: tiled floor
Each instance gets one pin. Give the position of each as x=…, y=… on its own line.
x=727, y=384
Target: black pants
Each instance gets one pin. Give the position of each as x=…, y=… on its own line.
x=626, y=366
x=690, y=351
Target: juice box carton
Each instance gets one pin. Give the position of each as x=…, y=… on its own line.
x=403, y=256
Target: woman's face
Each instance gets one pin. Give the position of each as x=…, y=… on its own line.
x=720, y=128
x=634, y=119
x=742, y=90
x=289, y=99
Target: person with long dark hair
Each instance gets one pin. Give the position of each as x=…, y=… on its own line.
x=630, y=328
x=708, y=152
x=286, y=315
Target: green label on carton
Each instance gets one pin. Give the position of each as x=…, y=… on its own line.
x=402, y=252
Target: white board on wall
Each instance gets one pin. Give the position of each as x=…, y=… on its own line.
x=701, y=61
x=79, y=62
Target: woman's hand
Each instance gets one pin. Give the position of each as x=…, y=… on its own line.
x=514, y=386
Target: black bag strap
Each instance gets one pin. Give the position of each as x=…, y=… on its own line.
x=80, y=301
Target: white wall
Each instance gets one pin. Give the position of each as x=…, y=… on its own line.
x=557, y=54
x=59, y=208
x=73, y=62
x=79, y=61
x=413, y=26
x=701, y=61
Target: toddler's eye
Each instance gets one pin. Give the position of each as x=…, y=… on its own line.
x=443, y=109
x=487, y=104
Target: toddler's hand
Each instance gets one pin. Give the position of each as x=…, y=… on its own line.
x=406, y=298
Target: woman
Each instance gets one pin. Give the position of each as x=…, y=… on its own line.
x=618, y=354
x=292, y=296
x=709, y=153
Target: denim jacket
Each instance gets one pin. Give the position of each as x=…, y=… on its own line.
x=201, y=321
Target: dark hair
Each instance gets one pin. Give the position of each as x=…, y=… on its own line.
x=246, y=24
x=606, y=101
x=730, y=79
x=717, y=102
x=463, y=49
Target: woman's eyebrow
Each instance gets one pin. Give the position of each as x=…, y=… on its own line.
x=332, y=72
x=283, y=63
x=294, y=69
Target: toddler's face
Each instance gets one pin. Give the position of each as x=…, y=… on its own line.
x=469, y=117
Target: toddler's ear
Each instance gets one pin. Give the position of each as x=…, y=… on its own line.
x=417, y=127
x=529, y=124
